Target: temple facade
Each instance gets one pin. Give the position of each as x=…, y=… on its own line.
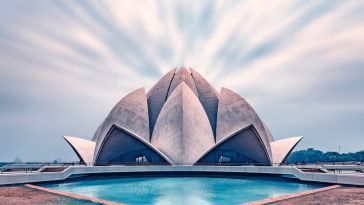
x=182, y=120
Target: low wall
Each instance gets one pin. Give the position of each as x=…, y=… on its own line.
x=22, y=178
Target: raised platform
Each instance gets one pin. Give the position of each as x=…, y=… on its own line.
x=22, y=178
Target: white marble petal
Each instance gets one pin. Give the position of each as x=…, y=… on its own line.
x=83, y=148
x=282, y=148
x=130, y=113
x=183, y=131
x=235, y=113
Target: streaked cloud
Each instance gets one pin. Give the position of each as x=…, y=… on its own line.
x=64, y=64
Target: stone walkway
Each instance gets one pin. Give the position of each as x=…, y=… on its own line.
x=16, y=195
x=339, y=196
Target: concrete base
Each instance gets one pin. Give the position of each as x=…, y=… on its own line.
x=23, y=178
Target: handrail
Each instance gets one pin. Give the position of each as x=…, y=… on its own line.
x=285, y=170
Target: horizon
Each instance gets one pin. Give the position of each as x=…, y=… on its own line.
x=65, y=65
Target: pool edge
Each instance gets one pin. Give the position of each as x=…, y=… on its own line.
x=258, y=202
x=72, y=195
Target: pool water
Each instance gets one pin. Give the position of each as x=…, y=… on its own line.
x=183, y=190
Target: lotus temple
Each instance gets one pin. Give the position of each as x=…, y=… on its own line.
x=182, y=142
x=182, y=120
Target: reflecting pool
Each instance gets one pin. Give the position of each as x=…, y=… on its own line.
x=183, y=190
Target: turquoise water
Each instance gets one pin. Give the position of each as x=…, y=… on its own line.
x=183, y=190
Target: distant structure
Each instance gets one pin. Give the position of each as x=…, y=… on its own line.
x=182, y=120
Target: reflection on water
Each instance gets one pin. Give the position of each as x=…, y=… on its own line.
x=183, y=190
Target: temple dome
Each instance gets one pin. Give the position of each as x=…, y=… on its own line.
x=183, y=120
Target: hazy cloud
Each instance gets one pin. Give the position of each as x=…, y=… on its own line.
x=64, y=64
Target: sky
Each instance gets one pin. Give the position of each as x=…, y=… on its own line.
x=65, y=64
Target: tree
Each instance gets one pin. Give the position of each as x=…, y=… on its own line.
x=311, y=155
